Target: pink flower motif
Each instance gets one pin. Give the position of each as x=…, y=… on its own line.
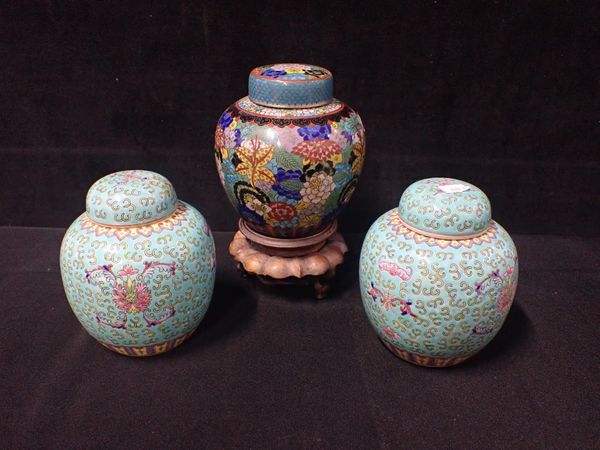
x=281, y=211
x=132, y=297
x=128, y=270
x=389, y=332
x=317, y=151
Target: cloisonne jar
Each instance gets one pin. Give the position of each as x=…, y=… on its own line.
x=138, y=266
x=437, y=274
x=289, y=154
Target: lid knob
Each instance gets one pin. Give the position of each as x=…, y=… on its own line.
x=290, y=86
x=130, y=197
x=445, y=208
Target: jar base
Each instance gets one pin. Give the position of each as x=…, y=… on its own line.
x=148, y=350
x=424, y=361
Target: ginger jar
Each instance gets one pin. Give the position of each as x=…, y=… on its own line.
x=289, y=154
x=138, y=266
x=437, y=274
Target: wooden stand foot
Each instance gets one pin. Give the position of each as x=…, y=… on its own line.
x=315, y=267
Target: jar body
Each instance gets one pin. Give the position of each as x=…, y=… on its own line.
x=140, y=290
x=436, y=302
x=289, y=172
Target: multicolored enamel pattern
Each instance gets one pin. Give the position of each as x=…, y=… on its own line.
x=138, y=267
x=290, y=86
x=289, y=171
x=437, y=275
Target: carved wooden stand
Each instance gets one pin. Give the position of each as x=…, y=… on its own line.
x=302, y=261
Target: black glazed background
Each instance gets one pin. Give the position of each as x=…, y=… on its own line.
x=503, y=95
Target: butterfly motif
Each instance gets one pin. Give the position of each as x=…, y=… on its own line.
x=388, y=301
x=492, y=279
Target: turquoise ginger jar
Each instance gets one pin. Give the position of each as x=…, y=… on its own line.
x=138, y=266
x=437, y=274
x=289, y=154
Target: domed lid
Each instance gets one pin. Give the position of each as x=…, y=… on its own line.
x=445, y=208
x=290, y=86
x=130, y=197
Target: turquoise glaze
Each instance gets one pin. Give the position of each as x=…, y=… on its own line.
x=426, y=207
x=290, y=86
x=138, y=267
x=437, y=274
x=289, y=171
x=130, y=198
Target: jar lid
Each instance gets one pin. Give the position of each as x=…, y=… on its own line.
x=129, y=198
x=445, y=208
x=290, y=86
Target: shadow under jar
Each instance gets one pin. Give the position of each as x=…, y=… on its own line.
x=289, y=154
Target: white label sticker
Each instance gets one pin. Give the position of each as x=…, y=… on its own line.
x=453, y=188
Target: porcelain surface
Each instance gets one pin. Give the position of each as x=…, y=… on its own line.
x=436, y=302
x=130, y=198
x=425, y=207
x=289, y=172
x=139, y=289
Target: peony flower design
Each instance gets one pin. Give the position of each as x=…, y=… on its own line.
x=132, y=296
x=130, y=291
x=318, y=150
x=281, y=211
x=317, y=188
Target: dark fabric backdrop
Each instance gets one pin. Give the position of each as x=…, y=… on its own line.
x=504, y=95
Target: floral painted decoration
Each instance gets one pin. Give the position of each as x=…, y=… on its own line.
x=434, y=291
x=143, y=288
x=288, y=180
x=130, y=291
x=293, y=71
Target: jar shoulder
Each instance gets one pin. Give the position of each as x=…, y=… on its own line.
x=185, y=229
x=246, y=111
x=387, y=237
